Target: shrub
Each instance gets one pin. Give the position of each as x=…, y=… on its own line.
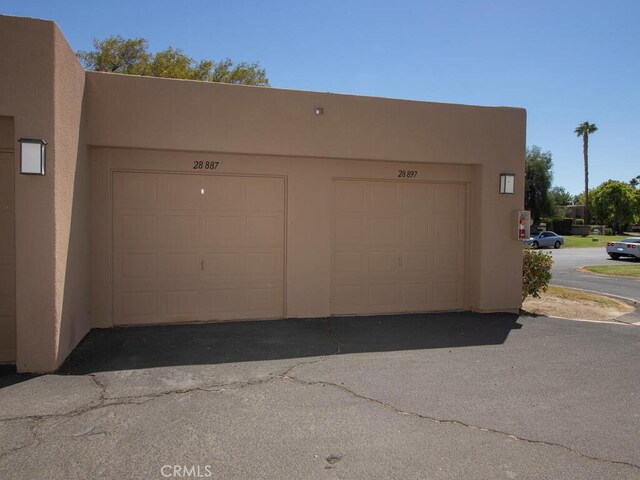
x=536, y=272
x=608, y=231
x=579, y=221
x=562, y=226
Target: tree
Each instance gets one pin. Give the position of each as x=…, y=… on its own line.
x=132, y=57
x=584, y=130
x=614, y=204
x=634, y=182
x=537, y=183
x=560, y=196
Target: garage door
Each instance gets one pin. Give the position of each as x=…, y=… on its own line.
x=7, y=244
x=197, y=248
x=398, y=247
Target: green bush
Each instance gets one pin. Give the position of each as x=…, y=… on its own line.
x=608, y=231
x=562, y=226
x=536, y=272
x=579, y=221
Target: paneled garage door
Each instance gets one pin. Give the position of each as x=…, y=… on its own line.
x=197, y=247
x=398, y=247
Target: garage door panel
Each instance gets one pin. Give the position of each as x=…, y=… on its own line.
x=264, y=230
x=448, y=230
x=179, y=230
x=264, y=194
x=401, y=250
x=383, y=295
x=349, y=262
x=415, y=197
x=415, y=262
x=139, y=265
x=446, y=294
x=351, y=197
x=135, y=191
x=267, y=263
x=175, y=266
x=183, y=302
x=448, y=263
x=415, y=231
x=348, y=298
x=224, y=264
x=135, y=231
x=447, y=198
x=385, y=197
x=349, y=230
x=224, y=193
x=383, y=262
x=220, y=230
x=136, y=304
x=180, y=192
x=415, y=295
x=383, y=231
x=223, y=301
x=263, y=300
x=194, y=256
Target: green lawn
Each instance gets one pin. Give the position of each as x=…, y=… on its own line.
x=617, y=270
x=576, y=241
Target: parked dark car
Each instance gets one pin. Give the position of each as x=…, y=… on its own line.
x=545, y=239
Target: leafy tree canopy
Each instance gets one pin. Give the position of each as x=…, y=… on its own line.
x=560, y=196
x=131, y=56
x=614, y=203
x=537, y=183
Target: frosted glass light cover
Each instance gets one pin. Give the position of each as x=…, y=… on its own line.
x=507, y=183
x=32, y=158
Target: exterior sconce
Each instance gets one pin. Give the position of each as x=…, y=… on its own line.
x=319, y=110
x=507, y=182
x=32, y=156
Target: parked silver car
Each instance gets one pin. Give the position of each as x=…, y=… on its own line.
x=545, y=239
x=629, y=247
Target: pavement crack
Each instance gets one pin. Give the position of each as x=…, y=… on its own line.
x=104, y=401
x=34, y=442
x=463, y=424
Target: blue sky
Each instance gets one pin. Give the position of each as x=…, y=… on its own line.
x=565, y=61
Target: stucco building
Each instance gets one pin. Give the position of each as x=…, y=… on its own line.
x=168, y=201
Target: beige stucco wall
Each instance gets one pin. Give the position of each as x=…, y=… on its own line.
x=41, y=87
x=276, y=131
x=62, y=248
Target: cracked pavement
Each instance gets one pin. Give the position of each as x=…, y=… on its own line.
x=416, y=396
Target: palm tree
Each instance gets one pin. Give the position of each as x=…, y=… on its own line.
x=583, y=130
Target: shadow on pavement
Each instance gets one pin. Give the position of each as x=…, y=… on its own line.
x=8, y=376
x=129, y=348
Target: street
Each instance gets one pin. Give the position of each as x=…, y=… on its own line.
x=566, y=262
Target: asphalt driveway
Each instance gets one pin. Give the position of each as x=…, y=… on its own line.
x=567, y=261
x=416, y=396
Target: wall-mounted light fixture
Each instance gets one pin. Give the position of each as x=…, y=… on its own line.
x=507, y=182
x=319, y=110
x=32, y=156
